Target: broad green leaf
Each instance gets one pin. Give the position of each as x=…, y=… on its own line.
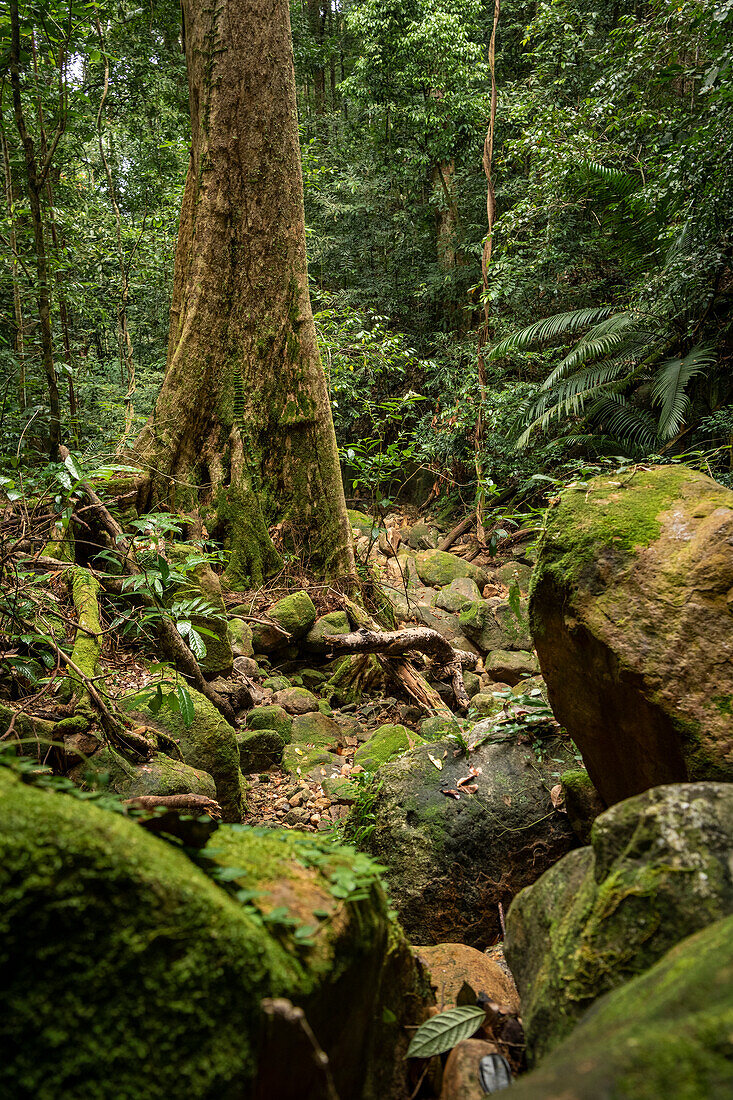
x=442, y=1032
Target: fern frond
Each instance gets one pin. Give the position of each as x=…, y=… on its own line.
x=623, y=183
x=559, y=324
x=670, y=385
x=597, y=342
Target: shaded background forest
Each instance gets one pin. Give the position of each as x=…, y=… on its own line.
x=612, y=177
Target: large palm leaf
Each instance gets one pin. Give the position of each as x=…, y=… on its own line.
x=670, y=387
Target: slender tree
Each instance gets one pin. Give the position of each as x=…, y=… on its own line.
x=242, y=429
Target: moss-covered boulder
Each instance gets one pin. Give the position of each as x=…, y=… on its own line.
x=259, y=750
x=312, y=750
x=582, y=802
x=630, y=611
x=666, y=1033
x=450, y=860
x=295, y=613
x=511, y=666
x=660, y=867
x=240, y=637
x=160, y=775
x=296, y=700
x=437, y=568
x=485, y=705
x=270, y=717
x=459, y=594
x=491, y=624
x=423, y=536
x=362, y=523
x=437, y=726
x=334, y=622
x=385, y=744
x=128, y=972
x=514, y=571
x=208, y=744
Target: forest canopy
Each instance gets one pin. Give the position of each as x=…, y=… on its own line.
x=607, y=299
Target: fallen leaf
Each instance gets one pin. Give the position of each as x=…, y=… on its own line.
x=438, y=763
x=557, y=798
x=450, y=792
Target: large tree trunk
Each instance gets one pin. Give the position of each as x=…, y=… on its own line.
x=242, y=428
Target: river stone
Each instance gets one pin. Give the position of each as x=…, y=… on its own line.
x=296, y=700
x=361, y=522
x=451, y=964
x=631, y=616
x=582, y=802
x=491, y=624
x=259, y=750
x=423, y=536
x=385, y=744
x=207, y=744
x=129, y=972
x=335, y=622
x=160, y=775
x=295, y=613
x=451, y=862
x=240, y=637
x=270, y=717
x=458, y=594
x=437, y=568
x=514, y=571
x=665, y=1033
x=511, y=667
x=485, y=705
x=315, y=739
x=660, y=867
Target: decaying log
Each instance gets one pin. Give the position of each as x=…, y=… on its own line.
x=397, y=643
x=183, y=803
x=458, y=530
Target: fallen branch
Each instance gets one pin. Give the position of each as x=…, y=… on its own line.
x=458, y=530
x=194, y=803
x=397, y=643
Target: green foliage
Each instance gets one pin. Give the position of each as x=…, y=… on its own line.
x=444, y=1031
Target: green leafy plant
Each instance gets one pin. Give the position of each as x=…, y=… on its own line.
x=442, y=1032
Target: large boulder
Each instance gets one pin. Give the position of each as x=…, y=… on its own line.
x=631, y=614
x=161, y=775
x=451, y=861
x=660, y=867
x=129, y=972
x=666, y=1033
x=295, y=613
x=437, y=568
x=208, y=743
x=492, y=624
x=333, y=622
x=385, y=744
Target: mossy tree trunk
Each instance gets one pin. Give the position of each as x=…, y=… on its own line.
x=242, y=429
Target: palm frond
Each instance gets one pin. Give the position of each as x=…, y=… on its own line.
x=559, y=324
x=623, y=183
x=670, y=385
x=617, y=418
x=597, y=342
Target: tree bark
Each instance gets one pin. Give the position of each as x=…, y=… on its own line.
x=242, y=428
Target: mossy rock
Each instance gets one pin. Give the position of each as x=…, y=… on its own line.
x=666, y=1033
x=361, y=522
x=459, y=594
x=335, y=622
x=658, y=869
x=208, y=744
x=260, y=749
x=270, y=717
x=276, y=683
x=160, y=775
x=295, y=613
x=313, y=678
x=491, y=624
x=515, y=571
x=630, y=613
x=511, y=666
x=313, y=737
x=128, y=972
x=437, y=568
x=582, y=802
x=423, y=536
x=385, y=744
x=296, y=700
x=485, y=705
x=450, y=862
x=437, y=727
x=240, y=637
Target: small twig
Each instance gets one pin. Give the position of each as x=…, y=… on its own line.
x=287, y=1011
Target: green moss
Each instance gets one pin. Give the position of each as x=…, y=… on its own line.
x=665, y=1033
x=385, y=744
x=436, y=568
x=295, y=613
x=334, y=622
x=270, y=717
x=208, y=744
x=160, y=775
x=260, y=749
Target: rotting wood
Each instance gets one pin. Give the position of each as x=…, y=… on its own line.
x=398, y=643
x=195, y=803
x=458, y=530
